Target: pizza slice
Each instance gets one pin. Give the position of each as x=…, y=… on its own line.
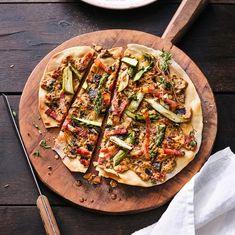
x=60, y=82
x=80, y=131
x=155, y=125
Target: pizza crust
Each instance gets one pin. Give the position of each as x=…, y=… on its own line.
x=73, y=164
x=53, y=64
x=47, y=121
x=192, y=99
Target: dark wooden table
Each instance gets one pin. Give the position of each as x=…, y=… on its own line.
x=30, y=29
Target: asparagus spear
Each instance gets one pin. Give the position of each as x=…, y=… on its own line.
x=160, y=135
x=131, y=61
x=122, y=153
x=136, y=102
x=98, y=100
x=67, y=84
x=167, y=113
x=142, y=71
x=86, y=122
x=139, y=117
x=158, y=140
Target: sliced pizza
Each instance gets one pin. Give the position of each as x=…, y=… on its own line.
x=154, y=127
x=79, y=134
x=60, y=82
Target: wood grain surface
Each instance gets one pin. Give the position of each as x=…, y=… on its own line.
x=21, y=188
x=72, y=1
x=31, y=29
x=34, y=30
x=74, y=221
x=99, y=197
x=183, y=18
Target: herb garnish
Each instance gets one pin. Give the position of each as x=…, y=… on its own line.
x=167, y=85
x=192, y=132
x=165, y=60
x=193, y=143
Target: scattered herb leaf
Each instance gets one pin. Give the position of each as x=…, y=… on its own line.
x=36, y=153
x=44, y=144
x=35, y=125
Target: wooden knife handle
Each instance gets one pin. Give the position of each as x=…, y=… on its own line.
x=50, y=224
x=183, y=18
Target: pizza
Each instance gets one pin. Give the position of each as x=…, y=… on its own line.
x=138, y=108
x=154, y=126
x=60, y=82
x=81, y=128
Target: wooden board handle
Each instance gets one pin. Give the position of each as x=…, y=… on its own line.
x=183, y=18
x=49, y=222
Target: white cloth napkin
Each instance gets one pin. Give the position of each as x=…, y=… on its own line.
x=205, y=205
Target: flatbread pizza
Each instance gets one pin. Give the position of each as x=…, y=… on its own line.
x=60, y=82
x=154, y=127
x=154, y=116
x=80, y=131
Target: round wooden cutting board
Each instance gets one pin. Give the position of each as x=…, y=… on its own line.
x=102, y=197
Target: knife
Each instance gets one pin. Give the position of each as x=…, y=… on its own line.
x=43, y=204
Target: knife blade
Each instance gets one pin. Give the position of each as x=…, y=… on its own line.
x=43, y=204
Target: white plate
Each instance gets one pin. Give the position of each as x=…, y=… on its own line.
x=119, y=4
